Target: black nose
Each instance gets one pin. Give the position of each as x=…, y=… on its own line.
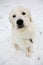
x=20, y=23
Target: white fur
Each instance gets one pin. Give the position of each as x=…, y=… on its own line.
x=23, y=35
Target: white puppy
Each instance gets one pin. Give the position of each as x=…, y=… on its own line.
x=23, y=29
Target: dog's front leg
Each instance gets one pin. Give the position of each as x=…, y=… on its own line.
x=28, y=51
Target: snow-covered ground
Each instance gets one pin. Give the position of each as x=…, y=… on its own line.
x=8, y=55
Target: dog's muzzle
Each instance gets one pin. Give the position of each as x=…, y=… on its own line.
x=20, y=23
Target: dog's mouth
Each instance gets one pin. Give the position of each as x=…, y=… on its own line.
x=21, y=26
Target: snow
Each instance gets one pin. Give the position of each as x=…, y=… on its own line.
x=8, y=55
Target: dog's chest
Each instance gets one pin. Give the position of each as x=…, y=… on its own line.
x=20, y=35
x=21, y=38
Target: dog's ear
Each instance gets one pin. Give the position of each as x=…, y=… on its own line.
x=30, y=19
x=29, y=15
x=11, y=19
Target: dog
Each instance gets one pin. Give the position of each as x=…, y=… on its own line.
x=23, y=29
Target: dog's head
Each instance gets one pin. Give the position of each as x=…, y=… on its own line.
x=20, y=18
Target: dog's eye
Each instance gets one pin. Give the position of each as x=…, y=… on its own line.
x=23, y=13
x=14, y=16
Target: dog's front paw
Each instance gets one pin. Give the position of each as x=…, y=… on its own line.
x=28, y=51
x=16, y=47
